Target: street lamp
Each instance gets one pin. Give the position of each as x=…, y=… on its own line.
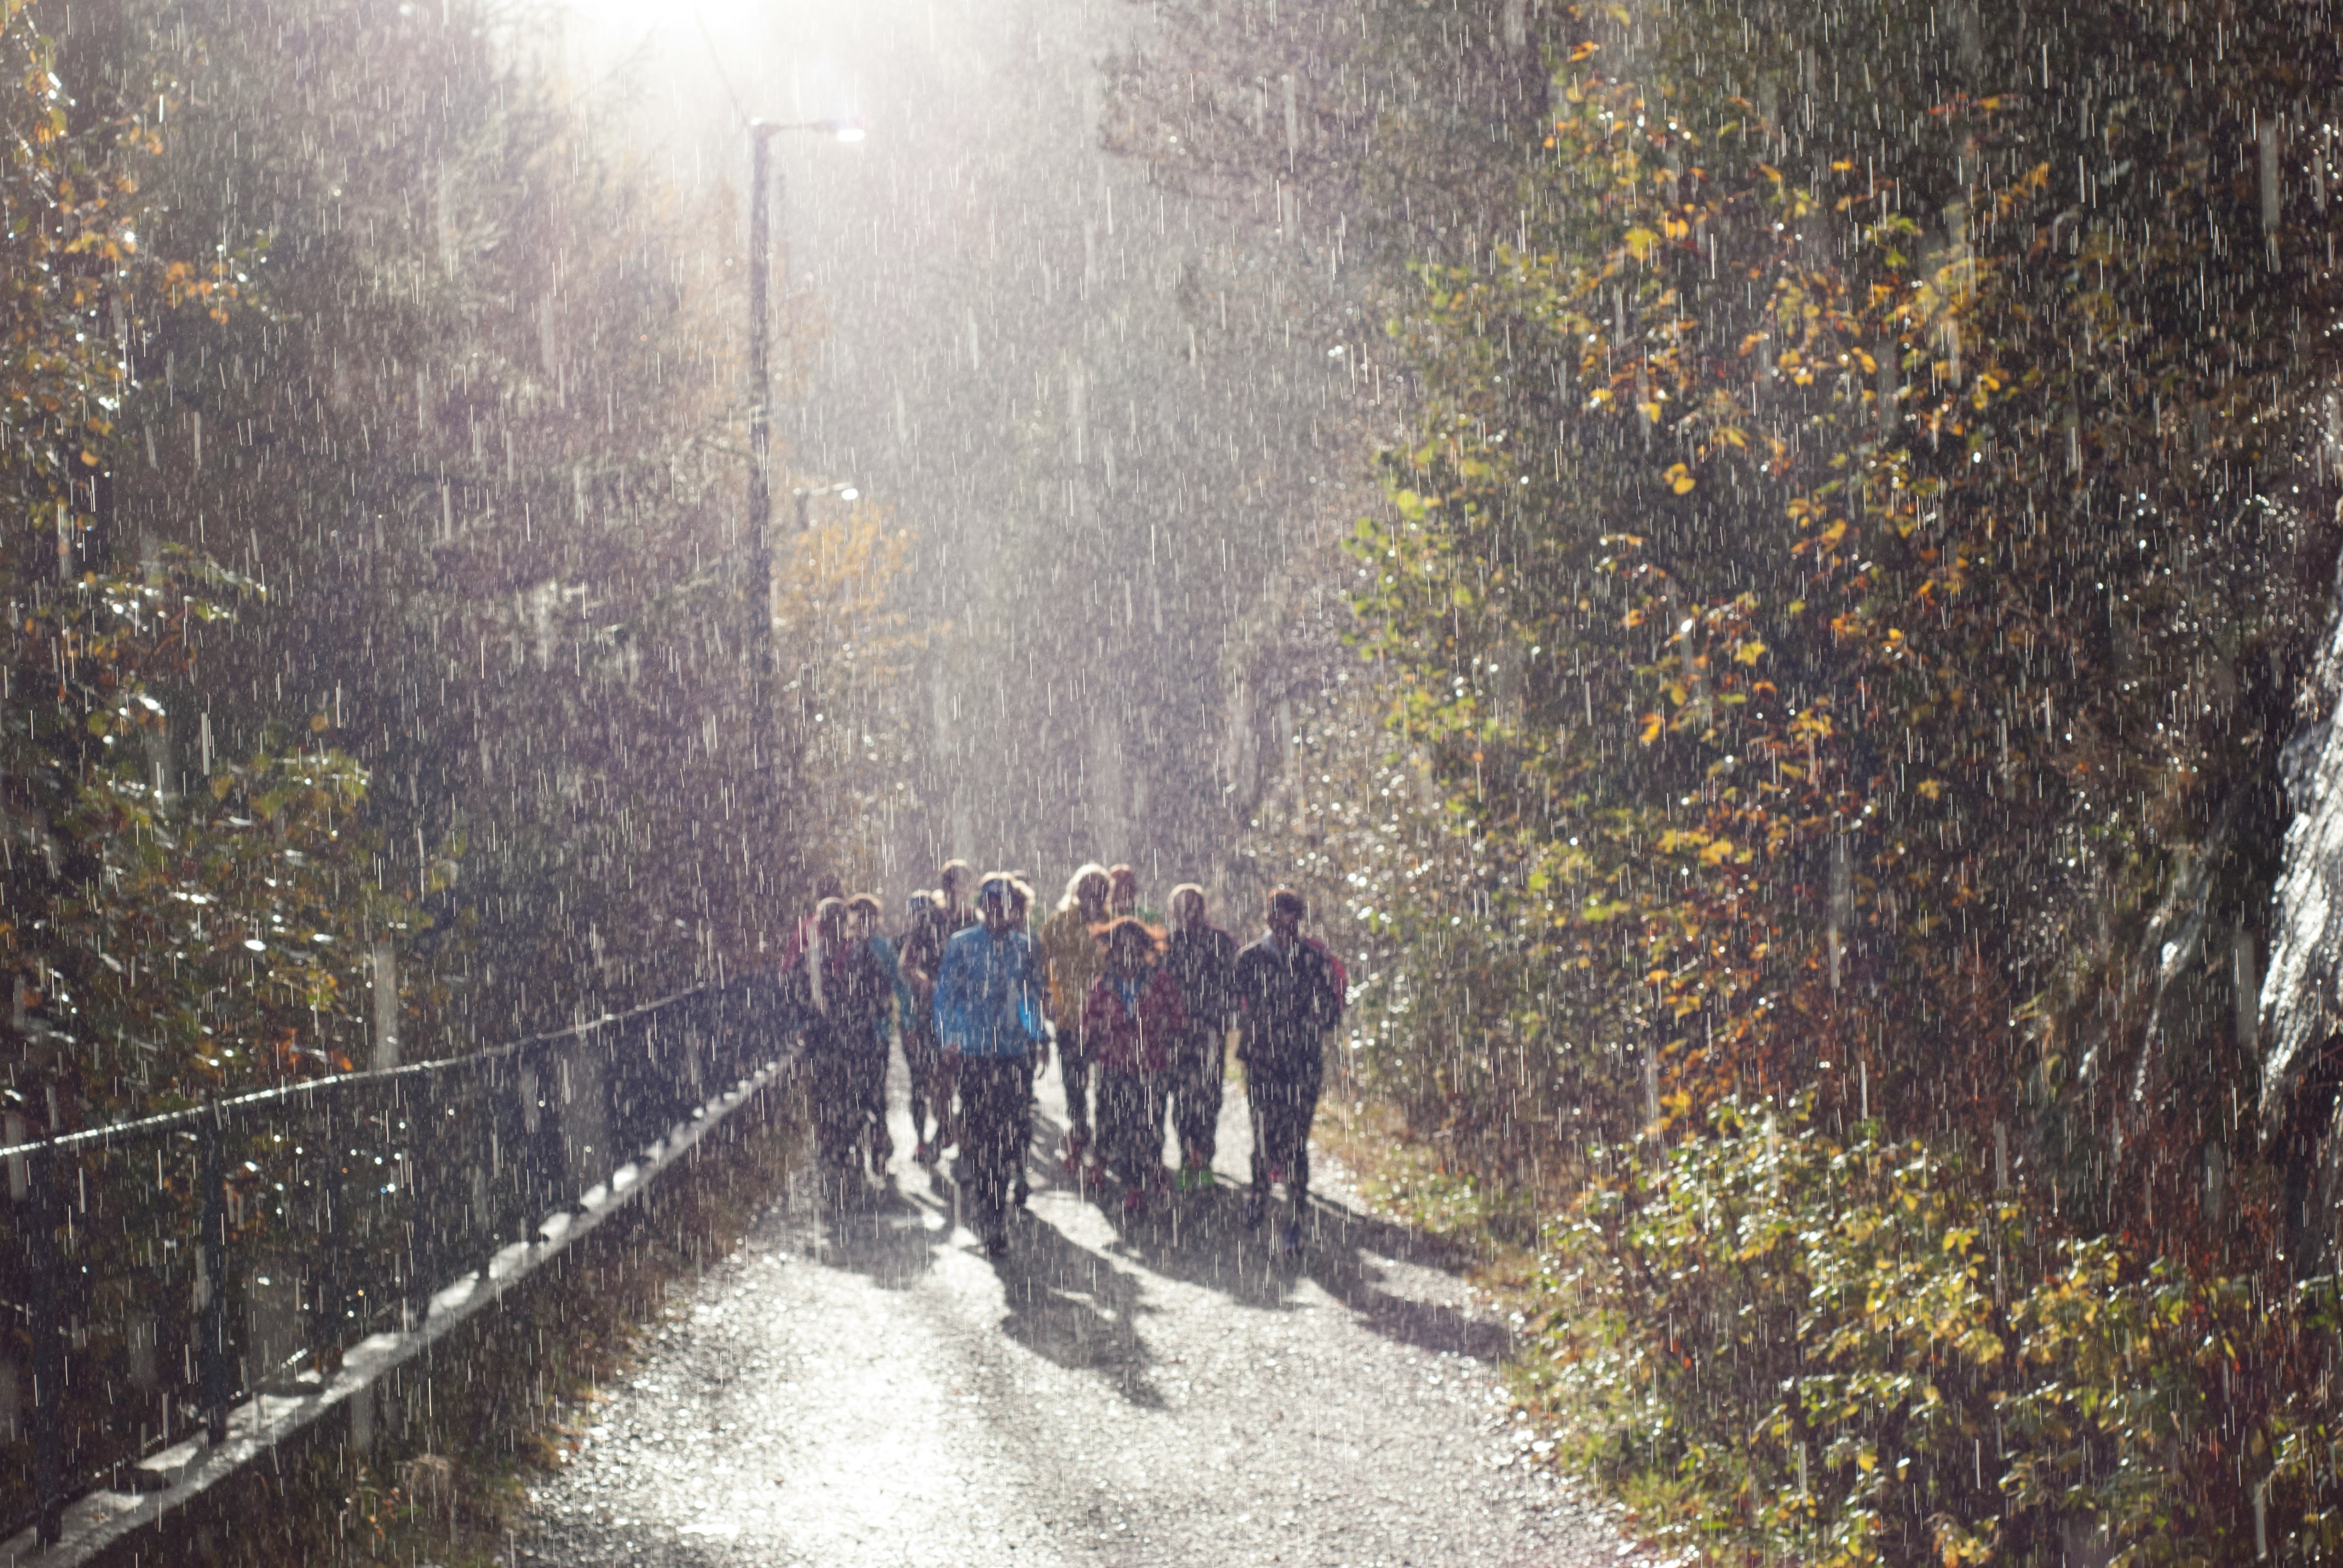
x=843, y=491
x=760, y=183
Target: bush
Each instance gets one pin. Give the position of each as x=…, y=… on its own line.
x=1851, y=1350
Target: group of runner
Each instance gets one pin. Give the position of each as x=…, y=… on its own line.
x=1138, y=1014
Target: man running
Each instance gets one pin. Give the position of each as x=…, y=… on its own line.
x=933, y=921
x=1288, y=996
x=989, y=1017
x=864, y=913
x=1070, y=946
x=1202, y=959
x=841, y=994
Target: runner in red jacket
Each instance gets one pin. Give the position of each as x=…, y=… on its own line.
x=1132, y=1022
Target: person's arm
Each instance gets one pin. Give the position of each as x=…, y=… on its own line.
x=1242, y=1008
x=948, y=1005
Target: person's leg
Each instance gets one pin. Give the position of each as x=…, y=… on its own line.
x=988, y=1090
x=1182, y=1091
x=874, y=1109
x=1153, y=1089
x=1306, y=1114
x=1074, y=1072
x=1261, y=1109
x=922, y=1058
x=1024, y=1144
x=1108, y=1130
x=1211, y=1088
x=1297, y=1111
x=837, y=1114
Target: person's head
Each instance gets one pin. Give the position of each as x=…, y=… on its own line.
x=1130, y=947
x=953, y=881
x=828, y=886
x=1286, y=908
x=1021, y=901
x=1123, y=890
x=1086, y=891
x=829, y=919
x=863, y=912
x=919, y=907
x=995, y=901
x=1187, y=907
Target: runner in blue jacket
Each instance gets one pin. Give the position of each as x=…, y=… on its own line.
x=989, y=1017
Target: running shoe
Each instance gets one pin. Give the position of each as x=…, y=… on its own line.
x=1252, y=1211
x=1184, y=1180
x=1203, y=1179
x=1289, y=1240
x=1134, y=1201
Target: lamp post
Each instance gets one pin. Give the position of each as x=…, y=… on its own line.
x=760, y=188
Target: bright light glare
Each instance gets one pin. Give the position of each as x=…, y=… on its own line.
x=849, y=132
x=850, y=494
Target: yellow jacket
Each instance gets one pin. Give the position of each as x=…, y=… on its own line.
x=1075, y=959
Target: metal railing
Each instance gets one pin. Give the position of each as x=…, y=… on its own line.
x=162, y=1270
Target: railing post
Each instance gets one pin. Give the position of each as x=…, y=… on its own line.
x=326, y=1283
x=45, y=1296
x=218, y=1384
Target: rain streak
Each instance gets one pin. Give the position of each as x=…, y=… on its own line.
x=1355, y=782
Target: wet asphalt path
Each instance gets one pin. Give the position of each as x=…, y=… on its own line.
x=869, y=1389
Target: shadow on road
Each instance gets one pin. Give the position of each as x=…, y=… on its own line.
x=1076, y=1308
x=1202, y=1238
x=884, y=1233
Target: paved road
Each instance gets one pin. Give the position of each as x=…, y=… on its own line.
x=869, y=1389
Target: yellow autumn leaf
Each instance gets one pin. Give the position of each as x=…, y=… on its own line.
x=1639, y=242
x=1749, y=652
x=1679, y=478
x=1934, y=788
x=1650, y=728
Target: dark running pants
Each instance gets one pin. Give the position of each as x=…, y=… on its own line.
x=929, y=1094
x=1198, y=1070
x=841, y=1090
x=1074, y=1072
x=1283, y=1099
x=992, y=1099
x=1131, y=1124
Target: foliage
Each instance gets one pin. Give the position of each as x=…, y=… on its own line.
x=161, y=942
x=845, y=644
x=1845, y=585
x=1853, y=1348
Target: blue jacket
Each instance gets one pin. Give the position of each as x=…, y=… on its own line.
x=989, y=994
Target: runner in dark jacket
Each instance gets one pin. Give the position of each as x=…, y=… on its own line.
x=1289, y=994
x=932, y=919
x=1201, y=961
x=841, y=993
